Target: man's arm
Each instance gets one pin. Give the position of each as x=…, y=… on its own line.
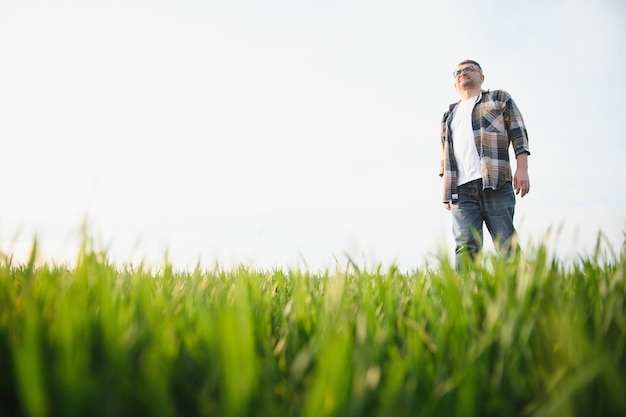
x=521, y=182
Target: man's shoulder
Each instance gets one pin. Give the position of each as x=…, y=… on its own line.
x=450, y=109
x=496, y=95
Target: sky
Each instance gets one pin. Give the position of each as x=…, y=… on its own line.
x=295, y=134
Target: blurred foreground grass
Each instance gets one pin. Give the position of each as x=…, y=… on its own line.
x=523, y=337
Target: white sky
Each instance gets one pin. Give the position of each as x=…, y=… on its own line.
x=292, y=133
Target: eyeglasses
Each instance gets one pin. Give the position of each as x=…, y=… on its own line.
x=464, y=71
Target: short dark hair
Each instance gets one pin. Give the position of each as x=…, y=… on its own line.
x=471, y=61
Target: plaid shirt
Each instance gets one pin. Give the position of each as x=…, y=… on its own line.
x=497, y=122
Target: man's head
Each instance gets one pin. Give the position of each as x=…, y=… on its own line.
x=468, y=76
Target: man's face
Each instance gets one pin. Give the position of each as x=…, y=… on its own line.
x=467, y=76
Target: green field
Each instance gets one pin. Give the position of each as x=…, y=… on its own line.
x=529, y=336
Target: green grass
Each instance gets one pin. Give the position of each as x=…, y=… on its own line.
x=522, y=337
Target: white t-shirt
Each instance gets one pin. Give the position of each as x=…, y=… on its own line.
x=464, y=144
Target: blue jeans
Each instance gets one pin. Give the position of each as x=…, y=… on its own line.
x=493, y=207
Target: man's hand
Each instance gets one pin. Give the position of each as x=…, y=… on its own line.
x=521, y=182
x=446, y=206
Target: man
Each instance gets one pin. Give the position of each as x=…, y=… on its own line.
x=476, y=133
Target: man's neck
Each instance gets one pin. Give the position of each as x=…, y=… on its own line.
x=469, y=93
